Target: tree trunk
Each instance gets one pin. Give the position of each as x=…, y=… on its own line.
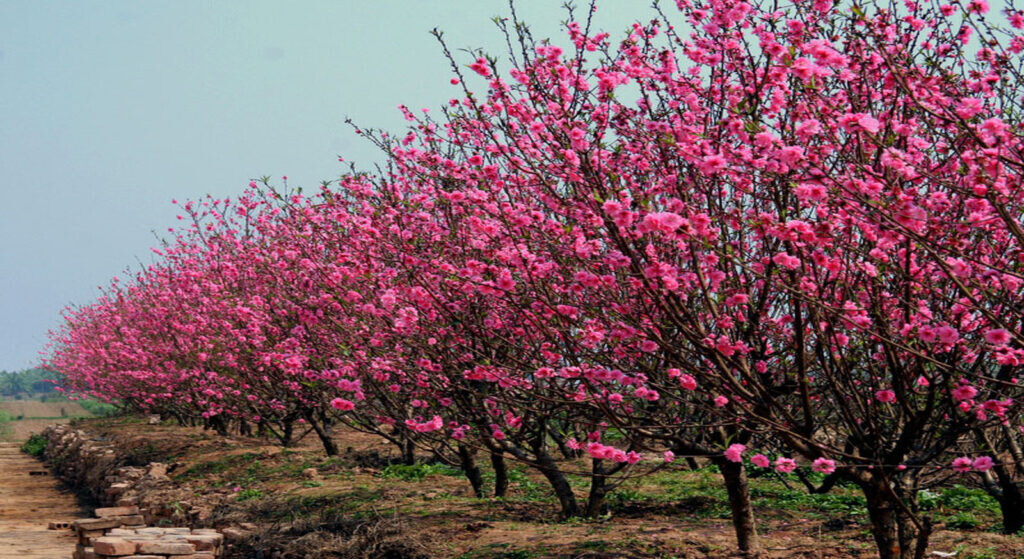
x=598, y=490
x=1011, y=501
x=472, y=471
x=735, y=478
x=287, y=432
x=896, y=535
x=408, y=452
x=563, y=491
x=500, y=474
x=330, y=447
x=219, y=425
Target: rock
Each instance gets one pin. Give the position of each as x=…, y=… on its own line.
x=85, y=553
x=157, y=470
x=153, y=420
x=160, y=547
x=234, y=534
x=205, y=542
x=93, y=524
x=116, y=511
x=311, y=473
x=133, y=520
x=113, y=546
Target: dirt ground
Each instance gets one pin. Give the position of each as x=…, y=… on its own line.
x=668, y=515
x=29, y=410
x=27, y=504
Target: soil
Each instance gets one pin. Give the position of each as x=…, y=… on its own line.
x=34, y=408
x=28, y=503
x=36, y=416
x=244, y=480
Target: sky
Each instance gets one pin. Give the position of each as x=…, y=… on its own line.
x=109, y=110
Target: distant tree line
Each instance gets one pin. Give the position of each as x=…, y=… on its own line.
x=28, y=383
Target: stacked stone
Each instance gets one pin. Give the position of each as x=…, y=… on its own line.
x=89, y=463
x=119, y=532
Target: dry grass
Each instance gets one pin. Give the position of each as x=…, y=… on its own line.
x=359, y=507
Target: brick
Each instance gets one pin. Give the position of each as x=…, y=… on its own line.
x=166, y=548
x=234, y=534
x=113, y=546
x=117, y=488
x=145, y=557
x=97, y=524
x=205, y=542
x=131, y=520
x=116, y=511
x=85, y=537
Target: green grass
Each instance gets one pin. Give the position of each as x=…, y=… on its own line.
x=34, y=446
x=99, y=409
x=222, y=465
x=5, y=418
x=417, y=472
x=248, y=495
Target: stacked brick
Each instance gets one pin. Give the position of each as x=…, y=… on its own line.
x=118, y=533
x=91, y=463
x=139, y=498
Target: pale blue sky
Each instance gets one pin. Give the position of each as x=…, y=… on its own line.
x=110, y=109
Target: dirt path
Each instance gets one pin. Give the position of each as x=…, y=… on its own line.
x=27, y=504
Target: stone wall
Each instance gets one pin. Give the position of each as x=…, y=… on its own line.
x=141, y=504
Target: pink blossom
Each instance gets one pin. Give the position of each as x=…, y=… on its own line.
x=760, y=460
x=997, y=336
x=947, y=334
x=735, y=452
x=669, y=456
x=666, y=222
x=964, y=392
x=721, y=401
x=342, y=404
x=885, y=396
x=790, y=155
x=824, y=465
x=712, y=164
x=687, y=382
x=982, y=463
x=784, y=465
x=786, y=261
x=962, y=464
x=811, y=191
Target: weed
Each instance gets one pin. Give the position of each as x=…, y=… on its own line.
x=417, y=472
x=248, y=495
x=962, y=521
x=35, y=446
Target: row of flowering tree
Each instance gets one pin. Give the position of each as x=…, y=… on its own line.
x=790, y=236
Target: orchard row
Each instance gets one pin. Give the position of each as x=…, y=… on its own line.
x=780, y=239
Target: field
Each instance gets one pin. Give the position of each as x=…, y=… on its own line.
x=24, y=417
x=363, y=499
